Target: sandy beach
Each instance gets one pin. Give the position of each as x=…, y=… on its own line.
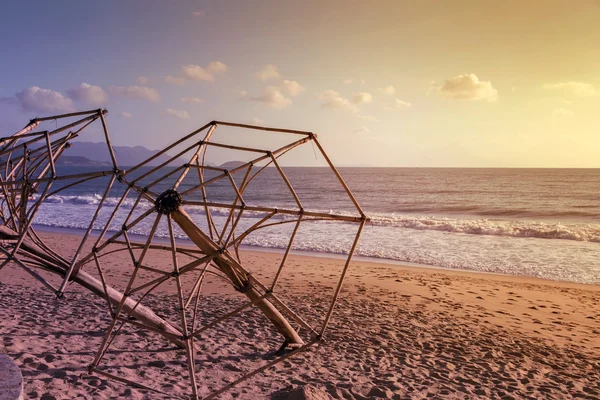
x=397, y=332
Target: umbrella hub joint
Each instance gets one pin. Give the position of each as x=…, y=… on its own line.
x=168, y=201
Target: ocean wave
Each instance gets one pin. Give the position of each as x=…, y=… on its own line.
x=479, y=211
x=93, y=199
x=471, y=226
x=514, y=228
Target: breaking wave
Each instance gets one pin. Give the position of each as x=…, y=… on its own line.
x=470, y=226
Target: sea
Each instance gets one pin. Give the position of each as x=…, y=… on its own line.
x=531, y=222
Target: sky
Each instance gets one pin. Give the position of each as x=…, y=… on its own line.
x=382, y=83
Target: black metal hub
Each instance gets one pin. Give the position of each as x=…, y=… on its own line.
x=168, y=201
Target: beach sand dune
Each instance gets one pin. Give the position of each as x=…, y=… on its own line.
x=398, y=332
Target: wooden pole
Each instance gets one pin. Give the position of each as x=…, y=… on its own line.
x=261, y=128
x=163, y=151
x=108, y=143
x=336, y=217
x=339, y=177
x=141, y=313
x=241, y=282
x=85, y=237
x=183, y=317
x=341, y=281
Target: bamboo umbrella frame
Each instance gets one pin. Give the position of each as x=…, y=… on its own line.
x=29, y=176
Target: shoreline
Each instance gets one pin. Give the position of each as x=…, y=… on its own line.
x=77, y=232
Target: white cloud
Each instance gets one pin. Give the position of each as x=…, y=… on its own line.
x=278, y=94
x=135, y=93
x=9, y=100
x=467, y=87
x=192, y=100
x=563, y=112
x=169, y=112
x=174, y=80
x=362, y=130
x=388, y=90
x=402, y=104
x=37, y=99
x=362, y=98
x=216, y=67
x=267, y=73
x=89, y=94
x=397, y=105
x=577, y=88
x=124, y=114
x=332, y=99
x=198, y=73
x=368, y=118
x=271, y=96
x=199, y=13
x=142, y=80
x=291, y=88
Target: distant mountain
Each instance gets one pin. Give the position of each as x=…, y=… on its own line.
x=126, y=156
x=231, y=164
x=79, y=161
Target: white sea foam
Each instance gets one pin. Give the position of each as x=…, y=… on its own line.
x=494, y=227
x=559, y=251
x=472, y=226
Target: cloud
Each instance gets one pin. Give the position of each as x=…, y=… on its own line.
x=174, y=80
x=271, y=96
x=198, y=73
x=467, y=87
x=291, y=88
x=397, y=105
x=41, y=100
x=562, y=112
x=402, y=104
x=192, y=100
x=362, y=98
x=142, y=80
x=124, y=114
x=89, y=94
x=361, y=131
x=577, y=88
x=9, y=100
x=368, y=118
x=267, y=73
x=199, y=13
x=277, y=95
x=388, y=90
x=169, y=112
x=333, y=100
x=216, y=67
x=135, y=93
